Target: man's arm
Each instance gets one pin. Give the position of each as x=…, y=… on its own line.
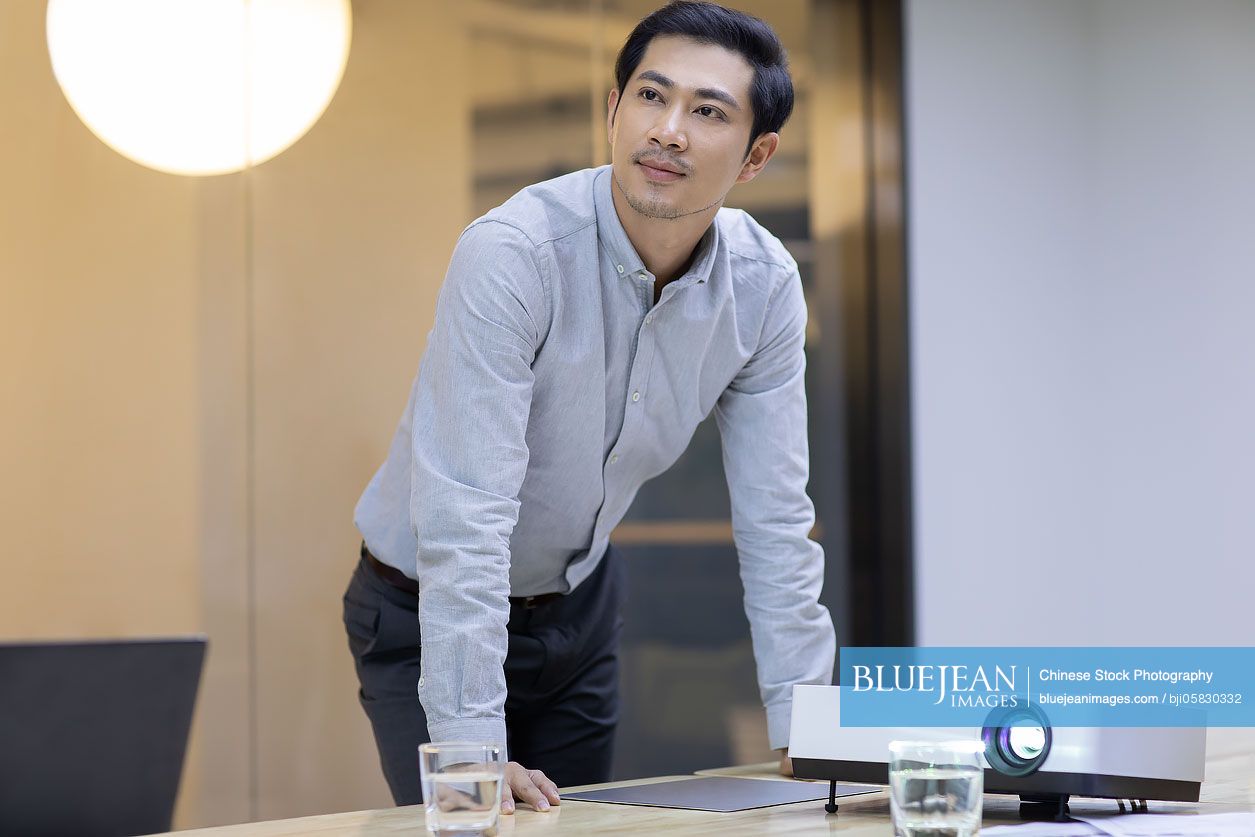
x=470, y=456
x=762, y=422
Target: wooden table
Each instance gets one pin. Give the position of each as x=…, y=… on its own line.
x=1230, y=786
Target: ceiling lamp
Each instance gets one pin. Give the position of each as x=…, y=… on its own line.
x=199, y=87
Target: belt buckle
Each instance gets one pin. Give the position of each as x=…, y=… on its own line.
x=530, y=602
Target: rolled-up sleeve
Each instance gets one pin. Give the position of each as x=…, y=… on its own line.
x=469, y=459
x=762, y=423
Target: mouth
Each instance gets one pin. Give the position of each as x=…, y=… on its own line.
x=659, y=175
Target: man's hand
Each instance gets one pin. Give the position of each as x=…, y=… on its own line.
x=529, y=786
x=786, y=763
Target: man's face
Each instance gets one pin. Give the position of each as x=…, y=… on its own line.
x=687, y=109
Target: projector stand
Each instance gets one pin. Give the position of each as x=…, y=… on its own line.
x=1045, y=806
x=831, y=805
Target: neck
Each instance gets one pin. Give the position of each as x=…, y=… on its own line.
x=666, y=245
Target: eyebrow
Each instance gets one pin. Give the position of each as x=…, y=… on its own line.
x=702, y=92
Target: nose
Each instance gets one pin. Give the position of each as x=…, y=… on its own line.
x=667, y=130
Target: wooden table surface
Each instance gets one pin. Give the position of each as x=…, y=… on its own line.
x=1229, y=786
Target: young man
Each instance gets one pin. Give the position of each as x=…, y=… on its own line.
x=584, y=329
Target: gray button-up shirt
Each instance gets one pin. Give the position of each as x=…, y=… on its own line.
x=551, y=388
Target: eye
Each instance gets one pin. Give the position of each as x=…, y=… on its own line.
x=712, y=112
x=647, y=93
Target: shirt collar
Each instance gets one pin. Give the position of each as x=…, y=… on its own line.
x=614, y=238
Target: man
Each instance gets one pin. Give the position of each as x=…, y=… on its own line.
x=584, y=329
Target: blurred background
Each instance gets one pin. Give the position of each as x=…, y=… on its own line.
x=1025, y=231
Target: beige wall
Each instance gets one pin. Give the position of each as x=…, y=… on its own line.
x=99, y=457
x=126, y=365
x=97, y=351
x=354, y=227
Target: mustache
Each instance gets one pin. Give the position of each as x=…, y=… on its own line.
x=651, y=157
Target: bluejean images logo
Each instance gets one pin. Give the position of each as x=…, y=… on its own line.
x=1076, y=687
x=963, y=686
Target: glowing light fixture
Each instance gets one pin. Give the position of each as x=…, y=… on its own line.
x=199, y=87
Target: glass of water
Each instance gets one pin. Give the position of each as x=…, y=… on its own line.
x=461, y=785
x=936, y=788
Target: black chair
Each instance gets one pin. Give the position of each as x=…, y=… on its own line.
x=93, y=734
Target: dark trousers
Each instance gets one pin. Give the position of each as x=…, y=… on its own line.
x=561, y=672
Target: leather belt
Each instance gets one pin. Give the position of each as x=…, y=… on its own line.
x=402, y=581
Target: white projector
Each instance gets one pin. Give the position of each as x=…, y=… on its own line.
x=1043, y=765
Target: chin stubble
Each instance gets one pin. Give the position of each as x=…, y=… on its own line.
x=658, y=209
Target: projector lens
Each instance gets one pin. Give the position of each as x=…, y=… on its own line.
x=1017, y=739
x=1027, y=742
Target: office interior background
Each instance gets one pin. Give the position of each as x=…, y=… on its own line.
x=1026, y=229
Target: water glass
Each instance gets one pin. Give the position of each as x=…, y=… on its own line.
x=461, y=785
x=935, y=788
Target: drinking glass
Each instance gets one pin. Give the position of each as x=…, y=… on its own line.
x=461, y=785
x=935, y=788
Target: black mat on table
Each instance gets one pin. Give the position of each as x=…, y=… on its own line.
x=718, y=793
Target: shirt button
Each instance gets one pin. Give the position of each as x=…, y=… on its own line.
x=620, y=267
x=614, y=457
x=649, y=318
x=636, y=396
x=420, y=682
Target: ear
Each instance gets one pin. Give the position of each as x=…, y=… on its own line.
x=612, y=104
x=760, y=152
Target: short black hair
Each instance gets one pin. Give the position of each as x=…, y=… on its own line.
x=771, y=91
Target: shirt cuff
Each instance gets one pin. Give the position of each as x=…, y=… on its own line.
x=778, y=717
x=471, y=731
